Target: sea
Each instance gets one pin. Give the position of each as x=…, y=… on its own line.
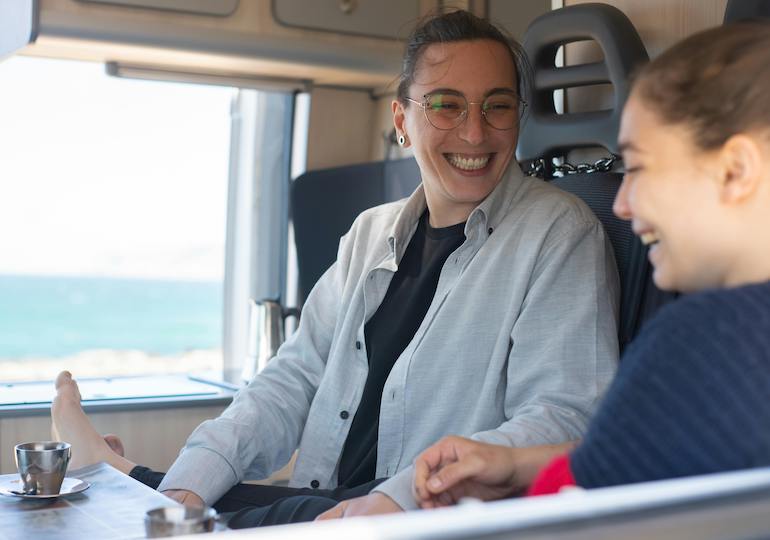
x=55, y=316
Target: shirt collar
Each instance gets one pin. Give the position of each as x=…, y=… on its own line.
x=487, y=215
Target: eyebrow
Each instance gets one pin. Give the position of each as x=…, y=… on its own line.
x=502, y=90
x=452, y=91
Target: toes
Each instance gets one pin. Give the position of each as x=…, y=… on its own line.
x=66, y=387
x=65, y=377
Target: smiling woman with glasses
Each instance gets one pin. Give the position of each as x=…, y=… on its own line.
x=438, y=316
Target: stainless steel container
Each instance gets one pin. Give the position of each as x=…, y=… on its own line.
x=266, y=334
x=42, y=466
x=178, y=520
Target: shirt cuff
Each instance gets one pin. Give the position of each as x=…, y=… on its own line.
x=202, y=471
x=399, y=488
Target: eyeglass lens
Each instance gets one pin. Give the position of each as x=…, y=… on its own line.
x=447, y=111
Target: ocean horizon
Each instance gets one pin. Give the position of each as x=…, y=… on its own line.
x=56, y=316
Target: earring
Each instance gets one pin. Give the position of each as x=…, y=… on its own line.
x=401, y=140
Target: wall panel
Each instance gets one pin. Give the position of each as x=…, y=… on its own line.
x=152, y=438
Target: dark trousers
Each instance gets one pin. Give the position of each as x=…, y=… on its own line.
x=259, y=506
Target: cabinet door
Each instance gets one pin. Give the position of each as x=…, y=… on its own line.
x=199, y=7
x=393, y=19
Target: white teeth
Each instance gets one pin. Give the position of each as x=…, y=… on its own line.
x=468, y=164
x=649, y=238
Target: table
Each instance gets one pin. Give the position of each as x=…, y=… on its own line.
x=112, y=508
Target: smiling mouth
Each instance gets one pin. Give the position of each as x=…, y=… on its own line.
x=468, y=163
x=649, y=238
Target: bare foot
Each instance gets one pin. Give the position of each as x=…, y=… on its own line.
x=70, y=424
x=115, y=444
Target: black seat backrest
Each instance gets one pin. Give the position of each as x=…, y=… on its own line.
x=324, y=204
x=547, y=135
x=747, y=10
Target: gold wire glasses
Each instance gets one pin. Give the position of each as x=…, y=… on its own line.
x=446, y=110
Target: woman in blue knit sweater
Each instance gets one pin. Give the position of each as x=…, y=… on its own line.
x=691, y=394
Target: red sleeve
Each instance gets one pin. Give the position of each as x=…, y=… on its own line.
x=552, y=477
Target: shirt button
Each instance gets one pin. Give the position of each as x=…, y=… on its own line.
x=344, y=415
x=490, y=230
x=358, y=345
x=314, y=484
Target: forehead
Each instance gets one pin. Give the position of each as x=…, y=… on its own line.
x=642, y=130
x=472, y=67
x=637, y=123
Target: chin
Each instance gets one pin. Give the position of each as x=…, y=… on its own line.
x=683, y=284
x=663, y=281
x=472, y=190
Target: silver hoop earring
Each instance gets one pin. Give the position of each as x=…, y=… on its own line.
x=401, y=140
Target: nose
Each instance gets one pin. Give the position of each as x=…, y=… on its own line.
x=621, y=206
x=472, y=130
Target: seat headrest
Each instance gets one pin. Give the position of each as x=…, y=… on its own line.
x=746, y=10
x=548, y=134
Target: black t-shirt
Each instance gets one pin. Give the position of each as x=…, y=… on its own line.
x=388, y=333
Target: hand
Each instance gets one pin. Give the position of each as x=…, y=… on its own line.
x=187, y=498
x=456, y=467
x=368, y=505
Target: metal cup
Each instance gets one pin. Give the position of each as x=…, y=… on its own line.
x=178, y=520
x=42, y=466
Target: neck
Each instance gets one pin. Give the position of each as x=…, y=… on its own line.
x=440, y=216
x=748, y=232
x=752, y=268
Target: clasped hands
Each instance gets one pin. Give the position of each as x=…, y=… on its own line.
x=446, y=472
x=455, y=468
x=443, y=474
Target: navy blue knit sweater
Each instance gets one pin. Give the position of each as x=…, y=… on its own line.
x=692, y=395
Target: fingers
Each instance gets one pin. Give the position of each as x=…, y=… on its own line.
x=334, y=513
x=454, y=473
x=443, y=452
x=445, y=499
x=421, y=474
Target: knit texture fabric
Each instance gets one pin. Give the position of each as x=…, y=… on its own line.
x=692, y=395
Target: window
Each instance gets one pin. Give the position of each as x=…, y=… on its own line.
x=113, y=197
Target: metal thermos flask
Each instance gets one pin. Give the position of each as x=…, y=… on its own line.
x=266, y=334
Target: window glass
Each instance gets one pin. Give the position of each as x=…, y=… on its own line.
x=112, y=211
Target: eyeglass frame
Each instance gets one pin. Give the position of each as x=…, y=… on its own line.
x=424, y=106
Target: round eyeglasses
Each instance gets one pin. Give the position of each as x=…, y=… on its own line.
x=447, y=110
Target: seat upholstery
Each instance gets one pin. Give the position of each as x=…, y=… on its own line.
x=747, y=10
x=548, y=136
x=324, y=204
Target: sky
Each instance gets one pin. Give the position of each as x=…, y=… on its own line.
x=110, y=177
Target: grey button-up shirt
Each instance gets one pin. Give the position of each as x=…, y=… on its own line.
x=516, y=348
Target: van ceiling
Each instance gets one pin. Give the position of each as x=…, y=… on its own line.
x=247, y=42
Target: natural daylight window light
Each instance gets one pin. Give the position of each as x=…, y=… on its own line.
x=113, y=197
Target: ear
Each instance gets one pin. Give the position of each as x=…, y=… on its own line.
x=399, y=118
x=742, y=169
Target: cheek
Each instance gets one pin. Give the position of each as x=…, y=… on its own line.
x=505, y=141
x=664, y=197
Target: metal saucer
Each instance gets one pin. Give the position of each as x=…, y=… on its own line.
x=70, y=486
